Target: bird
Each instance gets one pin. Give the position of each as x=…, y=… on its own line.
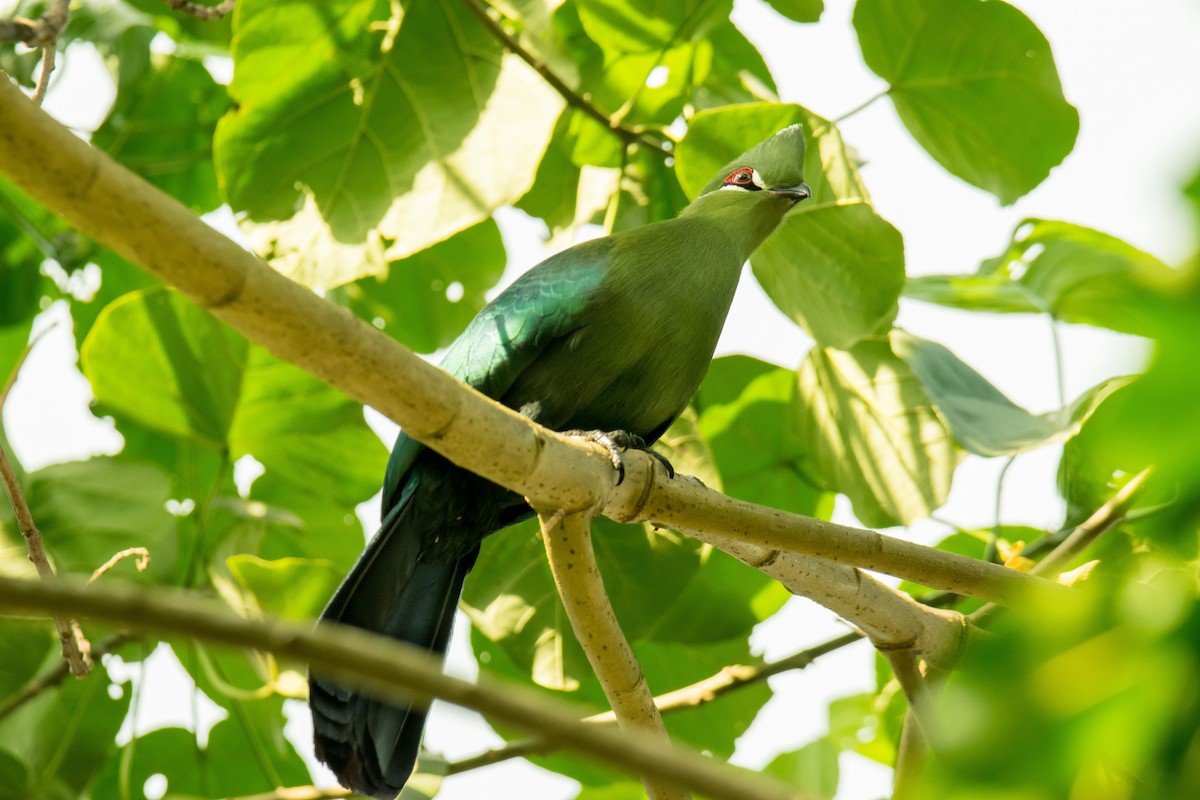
x=610, y=335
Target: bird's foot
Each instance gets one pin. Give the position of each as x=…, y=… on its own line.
x=616, y=443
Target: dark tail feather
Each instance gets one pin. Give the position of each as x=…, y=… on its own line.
x=397, y=590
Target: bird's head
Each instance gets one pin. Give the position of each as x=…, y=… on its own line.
x=773, y=168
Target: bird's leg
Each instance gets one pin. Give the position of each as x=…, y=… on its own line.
x=616, y=443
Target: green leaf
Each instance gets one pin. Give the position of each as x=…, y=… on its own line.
x=833, y=265
x=737, y=73
x=427, y=299
x=24, y=647
x=633, y=26
x=290, y=588
x=813, y=768
x=117, y=278
x=305, y=432
x=157, y=358
x=872, y=433
x=90, y=510
x=836, y=270
x=982, y=420
x=746, y=417
x=366, y=132
x=975, y=84
x=14, y=778
x=1073, y=273
x=800, y=11
x=161, y=127
x=64, y=735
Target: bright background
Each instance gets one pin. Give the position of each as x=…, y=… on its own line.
x=1134, y=75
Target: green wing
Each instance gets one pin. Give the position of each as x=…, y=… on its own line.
x=544, y=304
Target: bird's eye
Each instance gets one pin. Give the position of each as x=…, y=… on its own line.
x=743, y=179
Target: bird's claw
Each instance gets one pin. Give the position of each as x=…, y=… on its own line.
x=616, y=443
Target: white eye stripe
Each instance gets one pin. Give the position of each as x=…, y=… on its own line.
x=734, y=180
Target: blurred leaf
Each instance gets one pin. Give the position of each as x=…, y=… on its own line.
x=982, y=420
x=649, y=191
x=13, y=339
x=746, y=417
x=162, y=126
x=976, y=86
x=24, y=647
x=64, y=735
x=170, y=752
x=634, y=26
x=833, y=266
x=14, y=779
x=29, y=236
x=800, y=11
x=872, y=433
x=427, y=299
x=90, y=510
x=1073, y=273
x=1124, y=730
x=289, y=588
x=303, y=524
x=366, y=133
x=812, y=769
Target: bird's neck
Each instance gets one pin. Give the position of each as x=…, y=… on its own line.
x=745, y=220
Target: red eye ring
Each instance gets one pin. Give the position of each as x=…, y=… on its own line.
x=742, y=178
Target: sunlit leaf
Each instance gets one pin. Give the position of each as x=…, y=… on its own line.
x=1073, y=273
x=365, y=132
x=975, y=84
x=873, y=434
x=643, y=25
x=813, y=768
x=290, y=588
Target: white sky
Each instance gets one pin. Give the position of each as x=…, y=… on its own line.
x=1133, y=75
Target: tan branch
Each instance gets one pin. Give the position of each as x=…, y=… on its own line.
x=201, y=11
x=568, y=541
x=149, y=228
x=393, y=671
x=301, y=793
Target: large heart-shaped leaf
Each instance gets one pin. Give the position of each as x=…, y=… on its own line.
x=975, y=84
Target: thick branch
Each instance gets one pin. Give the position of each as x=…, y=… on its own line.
x=155, y=231
x=390, y=670
x=568, y=540
x=201, y=11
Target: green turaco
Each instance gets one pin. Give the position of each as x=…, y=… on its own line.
x=613, y=334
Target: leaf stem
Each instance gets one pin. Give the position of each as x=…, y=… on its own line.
x=861, y=106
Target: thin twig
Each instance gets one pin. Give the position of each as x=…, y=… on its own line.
x=58, y=673
x=1085, y=533
x=75, y=647
x=392, y=671
x=201, y=11
x=583, y=102
x=568, y=541
x=42, y=32
x=143, y=561
x=699, y=693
